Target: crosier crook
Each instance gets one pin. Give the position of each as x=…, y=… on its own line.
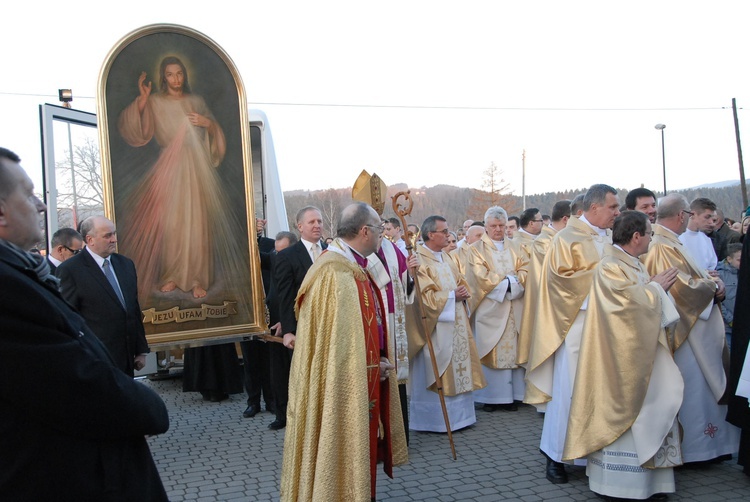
x=402, y=211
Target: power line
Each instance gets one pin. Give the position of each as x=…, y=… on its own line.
x=499, y=108
x=436, y=107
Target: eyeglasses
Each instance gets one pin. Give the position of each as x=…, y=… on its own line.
x=72, y=251
x=379, y=228
x=689, y=213
x=444, y=231
x=537, y=221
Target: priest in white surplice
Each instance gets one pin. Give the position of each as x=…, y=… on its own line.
x=628, y=389
x=562, y=299
x=496, y=274
x=443, y=293
x=697, y=340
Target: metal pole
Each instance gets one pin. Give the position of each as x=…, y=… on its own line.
x=73, y=178
x=743, y=185
x=663, y=162
x=661, y=127
x=523, y=182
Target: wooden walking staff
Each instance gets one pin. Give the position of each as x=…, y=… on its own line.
x=402, y=211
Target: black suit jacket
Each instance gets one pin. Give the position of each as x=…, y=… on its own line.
x=72, y=425
x=265, y=246
x=52, y=266
x=289, y=271
x=85, y=287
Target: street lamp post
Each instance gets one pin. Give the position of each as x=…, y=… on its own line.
x=663, y=161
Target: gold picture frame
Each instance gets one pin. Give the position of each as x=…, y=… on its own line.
x=178, y=183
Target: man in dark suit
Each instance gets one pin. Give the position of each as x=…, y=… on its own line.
x=279, y=357
x=72, y=426
x=255, y=353
x=102, y=286
x=291, y=266
x=65, y=244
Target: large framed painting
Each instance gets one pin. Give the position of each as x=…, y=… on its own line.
x=177, y=177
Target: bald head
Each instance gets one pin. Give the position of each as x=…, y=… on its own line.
x=672, y=212
x=360, y=227
x=100, y=235
x=474, y=234
x=671, y=205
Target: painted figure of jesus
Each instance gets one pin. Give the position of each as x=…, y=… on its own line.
x=170, y=235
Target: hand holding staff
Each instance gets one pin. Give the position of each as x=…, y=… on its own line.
x=402, y=212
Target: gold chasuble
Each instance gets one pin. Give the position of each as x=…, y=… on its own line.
x=455, y=350
x=564, y=284
x=536, y=260
x=692, y=292
x=496, y=320
x=461, y=257
x=524, y=242
x=700, y=351
x=339, y=413
x=621, y=336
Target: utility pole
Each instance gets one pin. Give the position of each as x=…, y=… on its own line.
x=523, y=178
x=743, y=186
x=660, y=127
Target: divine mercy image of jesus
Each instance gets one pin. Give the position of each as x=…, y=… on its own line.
x=180, y=197
x=178, y=183
x=178, y=227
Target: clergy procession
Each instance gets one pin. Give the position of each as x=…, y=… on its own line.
x=607, y=322
x=613, y=321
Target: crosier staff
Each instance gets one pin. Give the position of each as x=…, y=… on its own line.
x=402, y=211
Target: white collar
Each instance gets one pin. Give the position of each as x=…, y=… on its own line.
x=438, y=254
x=309, y=245
x=98, y=259
x=601, y=231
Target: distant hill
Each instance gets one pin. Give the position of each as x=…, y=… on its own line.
x=718, y=184
x=457, y=204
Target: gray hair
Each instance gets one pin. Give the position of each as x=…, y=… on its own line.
x=86, y=227
x=430, y=225
x=301, y=213
x=65, y=236
x=287, y=235
x=577, y=204
x=671, y=205
x=353, y=218
x=597, y=194
x=496, y=212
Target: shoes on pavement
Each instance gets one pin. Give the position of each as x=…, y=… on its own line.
x=277, y=425
x=507, y=407
x=217, y=397
x=607, y=498
x=556, y=472
x=251, y=411
x=658, y=496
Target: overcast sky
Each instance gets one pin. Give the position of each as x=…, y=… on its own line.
x=431, y=92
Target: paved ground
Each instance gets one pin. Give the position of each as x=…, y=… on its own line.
x=212, y=453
